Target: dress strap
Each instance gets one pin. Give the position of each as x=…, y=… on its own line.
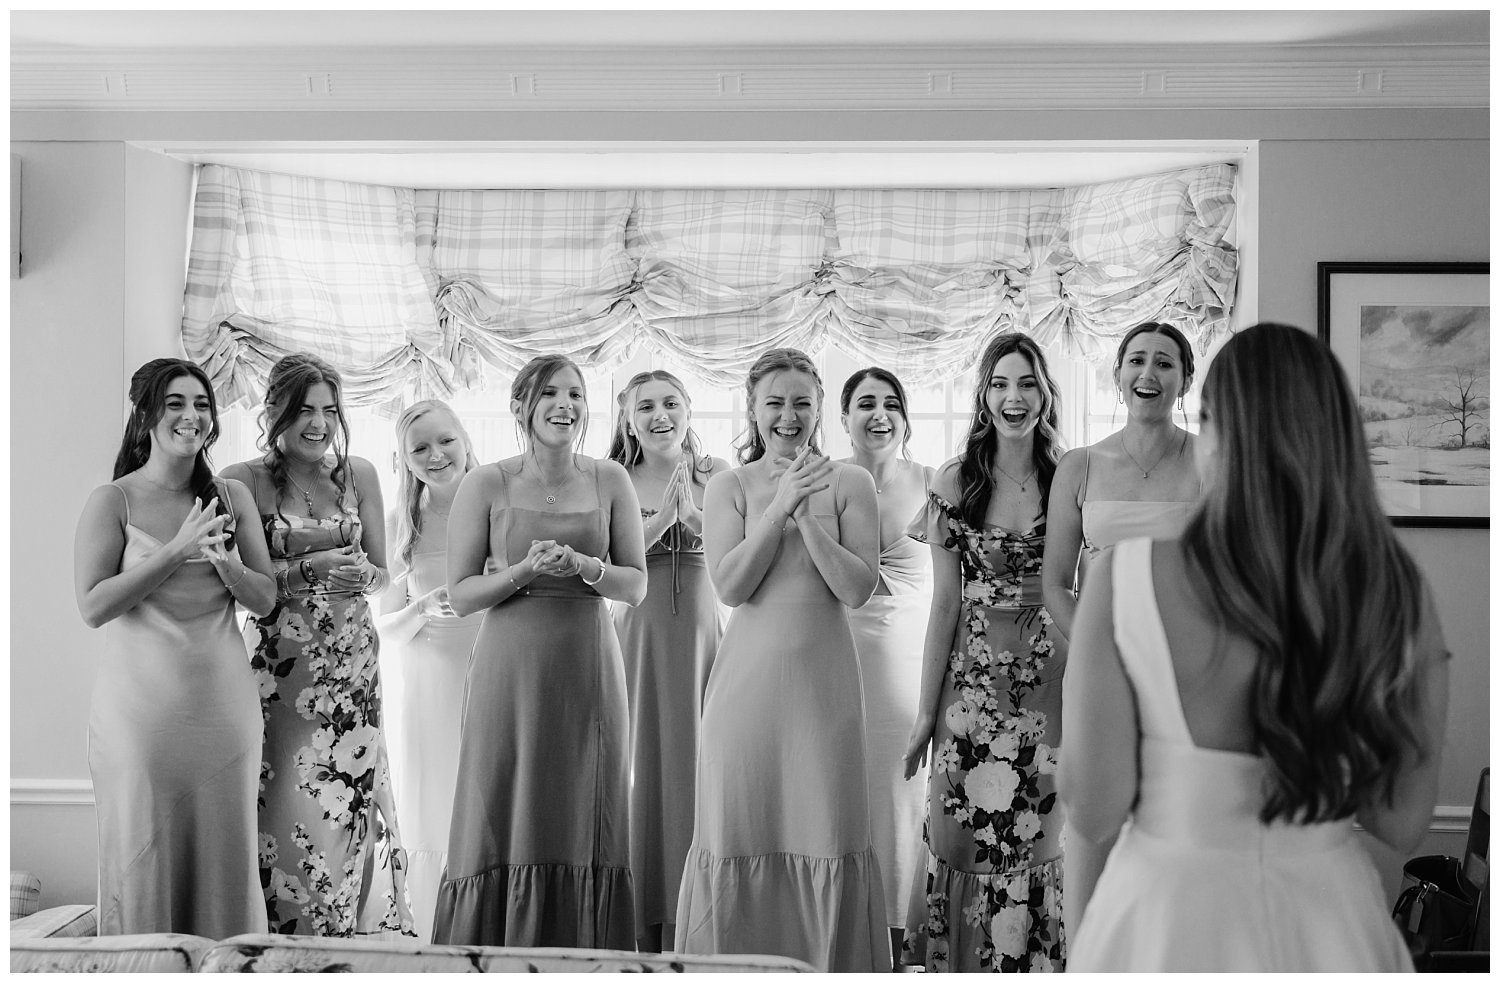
x=126, y=497
x=1142, y=643
x=598, y=495
x=1083, y=486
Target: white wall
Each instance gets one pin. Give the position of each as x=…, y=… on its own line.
x=104, y=234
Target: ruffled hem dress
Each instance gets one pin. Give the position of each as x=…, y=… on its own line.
x=991, y=898
x=668, y=642
x=539, y=843
x=781, y=861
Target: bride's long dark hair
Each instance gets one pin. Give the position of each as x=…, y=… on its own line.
x=1296, y=555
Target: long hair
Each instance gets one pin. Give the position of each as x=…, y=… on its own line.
x=1184, y=348
x=775, y=360
x=889, y=378
x=626, y=449
x=286, y=391
x=527, y=389
x=1297, y=556
x=148, y=403
x=411, y=491
x=976, y=459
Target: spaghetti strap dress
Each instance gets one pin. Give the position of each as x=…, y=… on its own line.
x=1108, y=521
x=992, y=893
x=668, y=641
x=890, y=630
x=330, y=852
x=781, y=861
x=1196, y=882
x=174, y=752
x=539, y=844
x=426, y=718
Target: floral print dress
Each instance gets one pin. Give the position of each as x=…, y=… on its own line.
x=992, y=899
x=327, y=816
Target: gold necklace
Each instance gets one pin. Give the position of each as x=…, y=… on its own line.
x=1146, y=472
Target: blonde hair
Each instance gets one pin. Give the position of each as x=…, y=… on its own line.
x=411, y=491
x=626, y=449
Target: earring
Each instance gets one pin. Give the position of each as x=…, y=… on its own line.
x=1179, y=404
x=1120, y=396
x=984, y=418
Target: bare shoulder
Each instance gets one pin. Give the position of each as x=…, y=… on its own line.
x=244, y=471
x=1070, y=466
x=612, y=475
x=107, y=500
x=363, y=470
x=717, y=465
x=945, y=479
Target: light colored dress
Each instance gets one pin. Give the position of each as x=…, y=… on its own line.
x=992, y=898
x=174, y=751
x=426, y=720
x=539, y=844
x=1108, y=521
x=781, y=861
x=331, y=857
x=668, y=642
x=889, y=633
x=1196, y=882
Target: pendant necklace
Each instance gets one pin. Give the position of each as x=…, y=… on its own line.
x=549, y=495
x=880, y=488
x=1146, y=472
x=1020, y=482
x=306, y=495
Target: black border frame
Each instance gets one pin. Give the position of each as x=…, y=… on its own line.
x=1326, y=271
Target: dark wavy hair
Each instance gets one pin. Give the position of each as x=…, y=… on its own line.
x=1184, y=347
x=286, y=390
x=976, y=459
x=1296, y=555
x=411, y=491
x=527, y=388
x=775, y=360
x=148, y=404
x=626, y=449
x=889, y=378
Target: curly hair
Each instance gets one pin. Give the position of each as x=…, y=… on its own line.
x=286, y=389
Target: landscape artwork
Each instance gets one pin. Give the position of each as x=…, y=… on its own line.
x=1424, y=395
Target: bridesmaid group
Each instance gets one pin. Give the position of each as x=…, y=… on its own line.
x=862, y=763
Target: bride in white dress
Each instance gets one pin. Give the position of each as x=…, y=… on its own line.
x=1242, y=694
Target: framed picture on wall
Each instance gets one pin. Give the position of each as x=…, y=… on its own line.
x=1415, y=340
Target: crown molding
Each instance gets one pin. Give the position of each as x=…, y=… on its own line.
x=51, y=792
x=741, y=79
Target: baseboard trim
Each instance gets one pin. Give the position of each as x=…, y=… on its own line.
x=80, y=792
x=51, y=792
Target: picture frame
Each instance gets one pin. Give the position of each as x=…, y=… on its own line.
x=1414, y=340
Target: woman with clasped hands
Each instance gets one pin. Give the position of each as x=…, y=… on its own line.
x=782, y=809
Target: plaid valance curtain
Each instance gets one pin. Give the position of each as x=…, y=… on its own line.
x=414, y=293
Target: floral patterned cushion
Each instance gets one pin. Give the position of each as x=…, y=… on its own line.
x=295, y=954
x=161, y=953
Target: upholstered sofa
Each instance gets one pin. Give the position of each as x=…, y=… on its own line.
x=63, y=940
x=296, y=954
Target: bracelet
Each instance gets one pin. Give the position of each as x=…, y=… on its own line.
x=591, y=583
x=516, y=584
x=244, y=572
x=308, y=576
x=283, y=589
x=781, y=523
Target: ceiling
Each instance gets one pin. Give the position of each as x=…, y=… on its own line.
x=519, y=29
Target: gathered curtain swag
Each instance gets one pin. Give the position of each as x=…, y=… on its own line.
x=419, y=293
